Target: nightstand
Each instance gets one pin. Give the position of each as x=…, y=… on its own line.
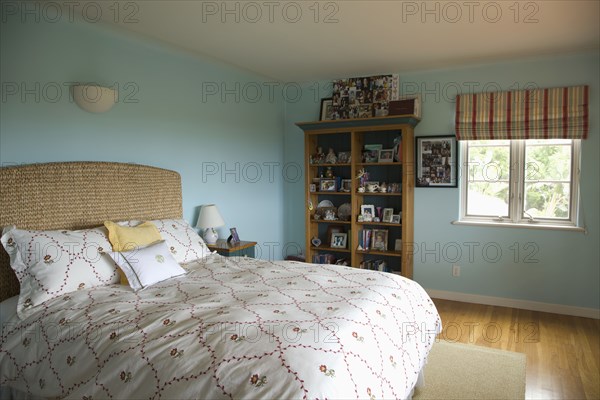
x=239, y=249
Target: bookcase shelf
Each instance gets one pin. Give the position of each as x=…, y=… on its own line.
x=351, y=136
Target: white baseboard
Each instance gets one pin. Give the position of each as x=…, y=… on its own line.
x=514, y=303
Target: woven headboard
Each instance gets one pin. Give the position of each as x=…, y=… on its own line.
x=77, y=195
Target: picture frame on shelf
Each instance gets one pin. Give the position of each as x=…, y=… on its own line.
x=327, y=185
x=339, y=240
x=326, y=113
x=386, y=155
x=436, y=161
x=371, y=153
x=398, y=245
x=371, y=156
x=312, y=187
x=344, y=157
x=346, y=185
x=368, y=212
x=380, y=240
x=333, y=229
x=387, y=215
x=395, y=219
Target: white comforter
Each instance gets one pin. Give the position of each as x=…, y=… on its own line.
x=229, y=328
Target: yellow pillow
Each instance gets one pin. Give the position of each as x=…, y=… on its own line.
x=125, y=238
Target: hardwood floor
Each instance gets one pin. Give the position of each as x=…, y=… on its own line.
x=563, y=352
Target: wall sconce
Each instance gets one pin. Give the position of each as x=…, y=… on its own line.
x=93, y=98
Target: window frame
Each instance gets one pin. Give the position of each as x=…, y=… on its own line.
x=516, y=197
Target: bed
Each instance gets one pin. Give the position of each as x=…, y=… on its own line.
x=226, y=328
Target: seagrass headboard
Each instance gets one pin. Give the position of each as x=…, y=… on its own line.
x=77, y=195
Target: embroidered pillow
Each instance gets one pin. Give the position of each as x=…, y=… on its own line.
x=184, y=242
x=49, y=264
x=147, y=265
x=125, y=238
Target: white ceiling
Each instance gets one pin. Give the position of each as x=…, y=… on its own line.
x=363, y=37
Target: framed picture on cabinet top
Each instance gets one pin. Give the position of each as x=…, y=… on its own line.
x=436, y=161
x=326, y=109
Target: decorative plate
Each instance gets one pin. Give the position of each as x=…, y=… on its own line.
x=325, y=203
x=344, y=212
x=315, y=241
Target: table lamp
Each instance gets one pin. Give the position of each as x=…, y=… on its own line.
x=209, y=219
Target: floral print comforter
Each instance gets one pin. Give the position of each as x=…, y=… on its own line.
x=229, y=328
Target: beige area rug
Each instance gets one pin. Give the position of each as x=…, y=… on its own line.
x=461, y=371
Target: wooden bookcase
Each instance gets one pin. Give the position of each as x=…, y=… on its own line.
x=351, y=136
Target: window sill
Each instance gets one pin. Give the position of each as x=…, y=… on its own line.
x=526, y=226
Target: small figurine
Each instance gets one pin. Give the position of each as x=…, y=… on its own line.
x=383, y=188
x=319, y=158
x=331, y=157
x=329, y=173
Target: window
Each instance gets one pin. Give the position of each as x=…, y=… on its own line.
x=525, y=182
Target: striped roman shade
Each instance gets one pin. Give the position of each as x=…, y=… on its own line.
x=557, y=113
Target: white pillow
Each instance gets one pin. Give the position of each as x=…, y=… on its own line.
x=147, y=265
x=184, y=242
x=49, y=264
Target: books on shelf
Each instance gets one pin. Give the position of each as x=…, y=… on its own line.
x=375, y=265
x=373, y=239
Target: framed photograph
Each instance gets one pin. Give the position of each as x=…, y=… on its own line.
x=363, y=97
x=395, y=219
x=387, y=215
x=338, y=240
x=386, y=155
x=234, y=238
x=344, y=157
x=380, y=239
x=346, y=185
x=327, y=185
x=313, y=187
x=326, y=109
x=436, y=161
x=371, y=156
x=368, y=212
x=398, y=245
x=333, y=229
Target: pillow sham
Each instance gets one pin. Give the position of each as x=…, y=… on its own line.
x=184, y=242
x=147, y=265
x=49, y=264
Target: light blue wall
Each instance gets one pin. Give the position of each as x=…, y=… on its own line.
x=567, y=267
x=170, y=125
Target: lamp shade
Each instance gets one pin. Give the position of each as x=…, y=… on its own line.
x=95, y=99
x=209, y=217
